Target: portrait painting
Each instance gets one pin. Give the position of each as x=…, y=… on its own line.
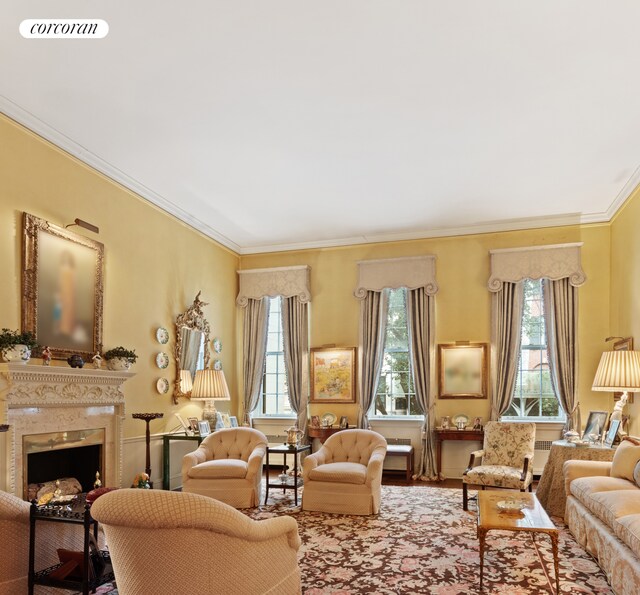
x=462, y=371
x=333, y=375
x=62, y=289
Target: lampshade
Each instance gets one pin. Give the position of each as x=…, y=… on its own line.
x=618, y=371
x=186, y=381
x=210, y=385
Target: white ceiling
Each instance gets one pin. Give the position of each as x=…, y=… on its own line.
x=272, y=125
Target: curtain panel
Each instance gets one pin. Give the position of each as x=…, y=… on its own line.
x=295, y=330
x=254, y=345
x=421, y=326
x=373, y=325
x=506, y=337
x=560, y=300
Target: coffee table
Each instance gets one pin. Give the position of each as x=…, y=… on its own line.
x=532, y=518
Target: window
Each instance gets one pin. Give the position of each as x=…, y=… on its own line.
x=274, y=399
x=533, y=396
x=396, y=395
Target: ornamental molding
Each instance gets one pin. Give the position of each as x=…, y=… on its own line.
x=410, y=272
x=281, y=281
x=553, y=262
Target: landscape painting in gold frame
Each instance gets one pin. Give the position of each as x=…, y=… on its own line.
x=61, y=288
x=333, y=375
x=462, y=371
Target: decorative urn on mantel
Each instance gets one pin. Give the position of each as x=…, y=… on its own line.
x=120, y=359
x=15, y=346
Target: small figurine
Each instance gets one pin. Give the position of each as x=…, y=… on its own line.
x=46, y=355
x=97, y=360
x=141, y=480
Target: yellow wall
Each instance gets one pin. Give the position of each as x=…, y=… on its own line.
x=463, y=303
x=625, y=286
x=154, y=265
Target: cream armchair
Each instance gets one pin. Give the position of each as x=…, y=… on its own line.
x=170, y=542
x=345, y=475
x=14, y=552
x=227, y=466
x=507, y=458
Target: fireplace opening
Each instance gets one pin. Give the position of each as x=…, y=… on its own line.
x=48, y=457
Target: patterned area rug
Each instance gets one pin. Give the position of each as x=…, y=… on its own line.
x=423, y=542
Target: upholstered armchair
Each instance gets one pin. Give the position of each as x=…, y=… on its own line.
x=345, y=475
x=165, y=542
x=14, y=533
x=507, y=458
x=227, y=466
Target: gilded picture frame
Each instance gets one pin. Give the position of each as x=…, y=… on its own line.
x=333, y=375
x=62, y=288
x=462, y=371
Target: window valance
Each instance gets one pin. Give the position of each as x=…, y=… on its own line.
x=536, y=262
x=410, y=272
x=284, y=281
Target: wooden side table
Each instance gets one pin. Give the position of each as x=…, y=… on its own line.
x=550, y=490
x=453, y=434
x=322, y=433
x=284, y=450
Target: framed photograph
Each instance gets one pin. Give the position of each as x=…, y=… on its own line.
x=234, y=421
x=596, y=423
x=344, y=422
x=185, y=426
x=462, y=371
x=62, y=288
x=226, y=420
x=219, y=423
x=193, y=423
x=203, y=427
x=315, y=421
x=623, y=345
x=614, y=426
x=333, y=375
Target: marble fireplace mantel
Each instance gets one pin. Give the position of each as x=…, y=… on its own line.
x=40, y=399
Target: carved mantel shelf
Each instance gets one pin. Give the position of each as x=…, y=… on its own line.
x=37, y=399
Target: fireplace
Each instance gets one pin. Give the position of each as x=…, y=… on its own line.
x=54, y=455
x=74, y=405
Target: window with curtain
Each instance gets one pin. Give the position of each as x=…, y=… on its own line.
x=396, y=395
x=534, y=398
x=274, y=398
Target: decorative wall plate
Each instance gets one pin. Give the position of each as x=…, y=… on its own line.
x=162, y=360
x=217, y=345
x=217, y=364
x=163, y=386
x=460, y=417
x=162, y=334
x=329, y=419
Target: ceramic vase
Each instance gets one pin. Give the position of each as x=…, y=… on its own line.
x=19, y=354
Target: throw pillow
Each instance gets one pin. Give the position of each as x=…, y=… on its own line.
x=625, y=460
x=636, y=474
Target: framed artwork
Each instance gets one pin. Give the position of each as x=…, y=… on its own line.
x=623, y=345
x=614, y=426
x=203, y=427
x=62, y=288
x=193, y=423
x=333, y=375
x=596, y=423
x=462, y=371
x=219, y=423
x=234, y=421
x=226, y=420
x=315, y=421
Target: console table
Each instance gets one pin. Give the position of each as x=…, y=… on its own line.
x=453, y=434
x=322, y=433
x=550, y=490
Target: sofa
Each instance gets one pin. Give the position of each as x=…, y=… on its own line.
x=603, y=513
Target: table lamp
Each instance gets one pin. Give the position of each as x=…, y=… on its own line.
x=209, y=386
x=618, y=371
x=186, y=382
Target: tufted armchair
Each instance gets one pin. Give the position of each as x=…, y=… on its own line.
x=507, y=458
x=344, y=476
x=170, y=542
x=14, y=552
x=227, y=466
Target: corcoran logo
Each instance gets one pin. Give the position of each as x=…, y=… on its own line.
x=64, y=28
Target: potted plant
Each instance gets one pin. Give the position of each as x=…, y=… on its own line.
x=16, y=346
x=120, y=358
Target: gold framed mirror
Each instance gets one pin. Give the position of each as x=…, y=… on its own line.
x=192, y=347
